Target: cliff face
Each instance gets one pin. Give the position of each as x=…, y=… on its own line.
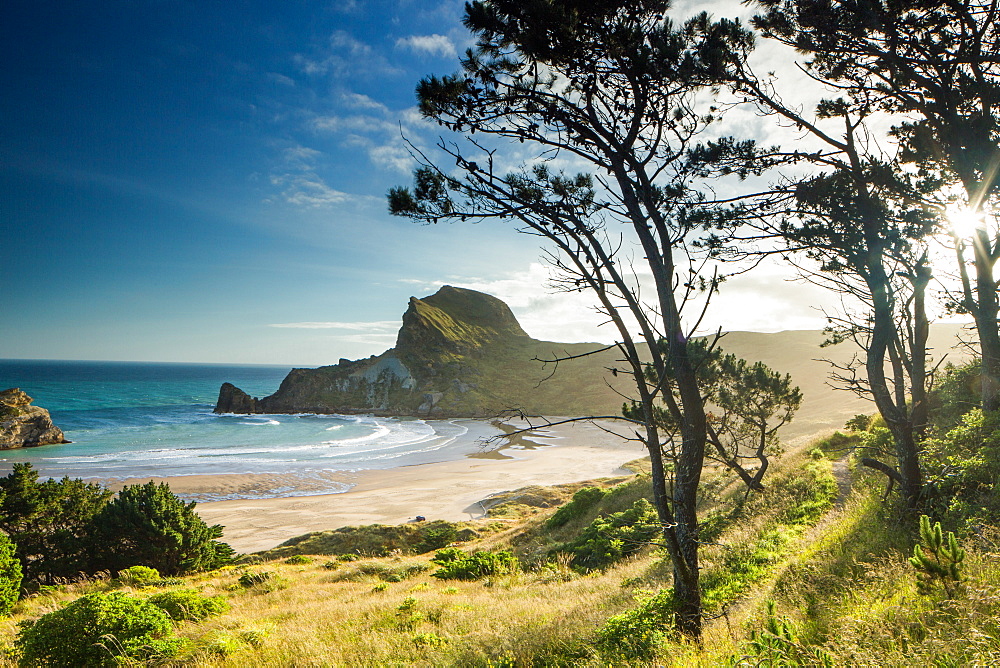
x=459, y=353
x=24, y=425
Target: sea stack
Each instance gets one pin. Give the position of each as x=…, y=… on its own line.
x=23, y=425
x=234, y=400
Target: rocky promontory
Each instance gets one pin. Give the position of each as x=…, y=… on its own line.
x=24, y=425
x=459, y=353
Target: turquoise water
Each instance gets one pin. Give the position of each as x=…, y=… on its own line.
x=134, y=420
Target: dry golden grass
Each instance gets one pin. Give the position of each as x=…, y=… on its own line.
x=844, y=585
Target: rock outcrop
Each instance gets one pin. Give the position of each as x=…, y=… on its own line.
x=234, y=400
x=459, y=353
x=24, y=425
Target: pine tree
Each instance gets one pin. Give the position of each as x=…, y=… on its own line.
x=147, y=525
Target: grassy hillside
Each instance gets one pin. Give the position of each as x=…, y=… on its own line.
x=813, y=572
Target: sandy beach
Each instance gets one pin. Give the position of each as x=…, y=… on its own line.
x=448, y=490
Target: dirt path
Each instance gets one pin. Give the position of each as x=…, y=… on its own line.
x=843, y=476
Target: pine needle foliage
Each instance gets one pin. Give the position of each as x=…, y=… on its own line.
x=938, y=558
x=777, y=644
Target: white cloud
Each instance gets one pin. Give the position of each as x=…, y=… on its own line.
x=310, y=192
x=356, y=123
x=281, y=79
x=346, y=56
x=392, y=156
x=432, y=45
x=344, y=41
x=359, y=101
x=768, y=299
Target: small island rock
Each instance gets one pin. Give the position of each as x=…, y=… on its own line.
x=234, y=400
x=24, y=425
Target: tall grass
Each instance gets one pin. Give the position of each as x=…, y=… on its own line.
x=839, y=580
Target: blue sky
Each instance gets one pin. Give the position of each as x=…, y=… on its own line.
x=205, y=182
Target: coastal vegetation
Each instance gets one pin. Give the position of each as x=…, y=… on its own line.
x=820, y=569
x=62, y=529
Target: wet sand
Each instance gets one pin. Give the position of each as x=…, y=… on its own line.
x=448, y=490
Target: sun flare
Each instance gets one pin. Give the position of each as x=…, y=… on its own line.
x=965, y=221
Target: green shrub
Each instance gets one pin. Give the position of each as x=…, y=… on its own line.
x=98, y=630
x=456, y=564
x=637, y=634
x=50, y=523
x=955, y=393
x=584, y=499
x=296, y=559
x=10, y=575
x=429, y=639
x=613, y=537
x=189, y=604
x=139, y=576
x=435, y=536
x=859, y=422
x=148, y=525
x=963, y=469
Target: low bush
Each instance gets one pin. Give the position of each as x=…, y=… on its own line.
x=149, y=525
x=963, y=467
x=428, y=639
x=456, y=564
x=298, y=559
x=638, y=633
x=189, y=604
x=254, y=578
x=436, y=536
x=98, y=630
x=613, y=537
x=584, y=499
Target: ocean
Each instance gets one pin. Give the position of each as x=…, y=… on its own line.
x=136, y=420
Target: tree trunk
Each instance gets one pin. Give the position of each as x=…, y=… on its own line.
x=986, y=321
x=687, y=477
x=896, y=419
x=918, y=351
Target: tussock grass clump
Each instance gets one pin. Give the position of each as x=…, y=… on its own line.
x=392, y=570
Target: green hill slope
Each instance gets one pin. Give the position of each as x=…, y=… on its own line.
x=459, y=353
